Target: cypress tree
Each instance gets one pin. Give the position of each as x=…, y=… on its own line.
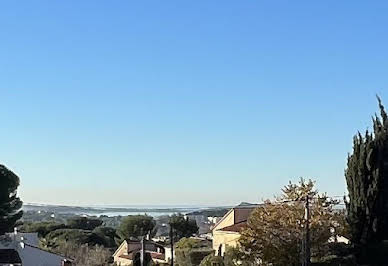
x=367, y=181
x=10, y=204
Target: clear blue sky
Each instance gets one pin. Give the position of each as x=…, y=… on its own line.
x=185, y=102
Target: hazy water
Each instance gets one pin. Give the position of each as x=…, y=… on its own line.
x=110, y=211
x=154, y=211
x=111, y=214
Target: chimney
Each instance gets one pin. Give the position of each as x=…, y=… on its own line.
x=22, y=244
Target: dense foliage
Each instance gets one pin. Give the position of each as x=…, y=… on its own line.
x=84, y=223
x=106, y=236
x=86, y=247
x=135, y=226
x=190, y=251
x=275, y=230
x=75, y=236
x=182, y=227
x=85, y=255
x=211, y=212
x=232, y=257
x=212, y=260
x=74, y=231
x=10, y=204
x=367, y=182
x=42, y=228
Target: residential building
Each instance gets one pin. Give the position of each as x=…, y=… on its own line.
x=214, y=219
x=26, y=245
x=227, y=231
x=130, y=250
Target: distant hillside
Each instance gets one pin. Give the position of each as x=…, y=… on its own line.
x=211, y=212
x=220, y=211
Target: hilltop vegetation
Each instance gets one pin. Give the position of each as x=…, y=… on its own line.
x=211, y=212
x=10, y=204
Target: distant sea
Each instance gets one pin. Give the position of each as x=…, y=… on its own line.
x=151, y=210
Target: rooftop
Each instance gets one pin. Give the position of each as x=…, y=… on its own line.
x=235, y=227
x=247, y=205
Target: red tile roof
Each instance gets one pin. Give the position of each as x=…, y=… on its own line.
x=235, y=227
x=159, y=256
x=154, y=255
x=128, y=257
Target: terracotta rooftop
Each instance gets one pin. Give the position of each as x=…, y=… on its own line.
x=246, y=205
x=128, y=257
x=235, y=227
x=159, y=256
x=154, y=255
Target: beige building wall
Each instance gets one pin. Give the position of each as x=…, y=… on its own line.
x=122, y=250
x=222, y=239
x=122, y=262
x=228, y=220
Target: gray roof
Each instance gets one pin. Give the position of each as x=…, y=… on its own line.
x=30, y=255
x=29, y=238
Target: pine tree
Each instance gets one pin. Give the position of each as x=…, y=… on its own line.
x=367, y=181
x=10, y=204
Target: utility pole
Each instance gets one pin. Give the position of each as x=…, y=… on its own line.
x=172, y=245
x=142, y=252
x=306, y=246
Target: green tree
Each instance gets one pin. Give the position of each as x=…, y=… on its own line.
x=274, y=231
x=10, y=204
x=182, y=227
x=107, y=236
x=74, y=236
x=232, y=257
x=42, y=228
x=84, y=255
x=212, y=260
x=190, y=252
x=367, y=181
x=101, y=236
x=83, y=223
x=135, y=226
